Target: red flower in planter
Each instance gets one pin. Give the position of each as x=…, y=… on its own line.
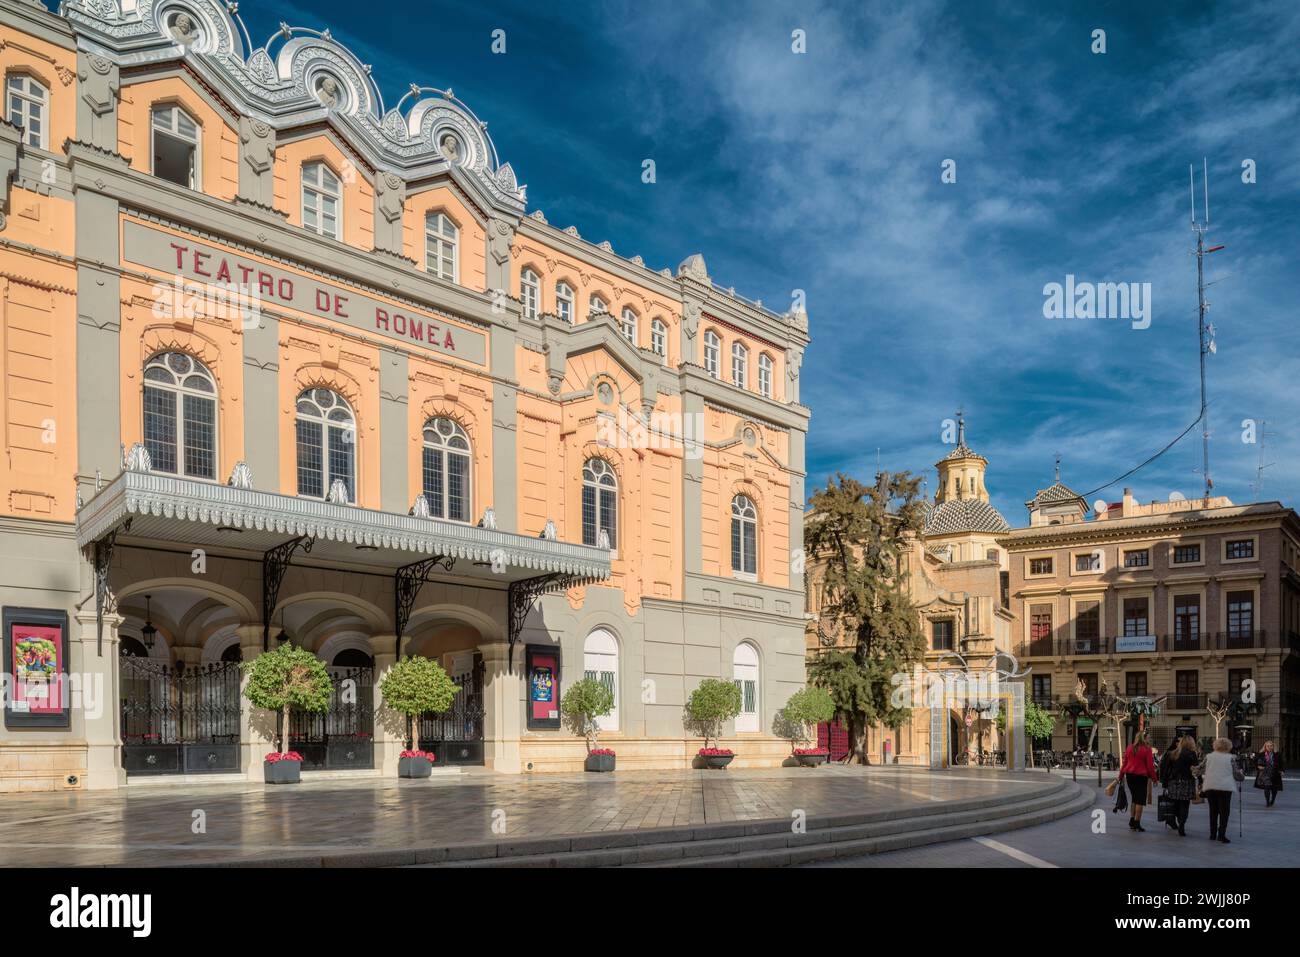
x=601, y=751
x=428, y=755
x=715, y=752
x=811, y=751
x=275, y=756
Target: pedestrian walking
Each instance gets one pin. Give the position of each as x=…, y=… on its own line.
x=1139, y=773
x=1218, y=783
x=1179, y=781
x=1268, y=773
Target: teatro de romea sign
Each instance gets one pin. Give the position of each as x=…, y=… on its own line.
x=257, y=283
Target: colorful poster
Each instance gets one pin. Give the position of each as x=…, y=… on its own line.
x=36, y=668
x=543, y=687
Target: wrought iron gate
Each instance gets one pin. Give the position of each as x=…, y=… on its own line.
x=343, y=736
x=179, y=719
x=456, y=735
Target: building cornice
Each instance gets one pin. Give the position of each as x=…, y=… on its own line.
x=1263, y=514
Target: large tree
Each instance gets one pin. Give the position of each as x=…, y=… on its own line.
x=858, y=534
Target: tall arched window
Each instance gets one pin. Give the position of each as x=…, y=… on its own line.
x=659, y=338
x=628, y=325
x=180, y=416
x=27, y=106
x=712, y=354
x=599, y=502
x=600, y=661
x=322, y=200
x=327, y=442
x=175, y=146
x=596, y=306
x=441, y=237
x=744, y=536
x=765, y=375
x=739, y=364
x=446, y=470
x=744, y=664
x=564, y=302
x=530, y=291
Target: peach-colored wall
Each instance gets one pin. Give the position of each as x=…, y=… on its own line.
x=756, y=348
x=55, y=68
x=218, y=142
x=358, y=192
x=436, y=390
x=38, y=316
x=472, y=250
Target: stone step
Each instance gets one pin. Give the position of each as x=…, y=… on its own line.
x=777, y=857
x=776, y=845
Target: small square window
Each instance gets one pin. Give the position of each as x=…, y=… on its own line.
x=1240, y=548
x=1087, y=563
x=1040, y=566
x=1187, y=554
x=1141, y=558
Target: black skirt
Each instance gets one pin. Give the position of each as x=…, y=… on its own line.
x=1137, y=788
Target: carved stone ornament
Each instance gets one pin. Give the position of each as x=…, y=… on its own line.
x=420, y=508
x=184, y=29
x=489, y=519
x=137, y=459
x=241, y=476
x=602, y=539
x=339, y=493
x=548, y=531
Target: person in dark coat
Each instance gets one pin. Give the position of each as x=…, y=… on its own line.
x=1268, y=773
x=1180, y=782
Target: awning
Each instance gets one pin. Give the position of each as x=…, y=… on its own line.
x=205, y=515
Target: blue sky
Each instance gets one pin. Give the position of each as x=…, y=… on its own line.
x=821, y=171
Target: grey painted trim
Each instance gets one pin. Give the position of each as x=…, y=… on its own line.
x=593, y=255
x=692, y=495
x=261, y=392
x=98, y=387
x=39, y=22
x=716, y=392
x=763, y=322
x=505, y=461
x=393, y=430
x=798, y=493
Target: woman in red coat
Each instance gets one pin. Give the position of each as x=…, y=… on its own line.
x=1139, y=772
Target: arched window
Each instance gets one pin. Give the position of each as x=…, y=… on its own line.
x=599, y=502
x=27, y=105
x=600, y=661
x=327, y=442
x=659, y=338
x=712, y=354
x=322, y=200
x=441, y=237
x=175, y=146
x=564, y=302
x=530, y=291
x=596, y=306
x=765, y=375
x=744, y=664
x=739, y=364
x=744, y=536
x=180, y=416
x=628, y=325
x=446, y=470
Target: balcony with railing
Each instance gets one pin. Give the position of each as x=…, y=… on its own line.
x=1186, y=702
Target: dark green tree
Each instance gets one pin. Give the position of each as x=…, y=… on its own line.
x=859, y=534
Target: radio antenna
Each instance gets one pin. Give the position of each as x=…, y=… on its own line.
x=1205, y=334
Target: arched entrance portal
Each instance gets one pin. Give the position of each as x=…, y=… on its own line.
x=455, y=736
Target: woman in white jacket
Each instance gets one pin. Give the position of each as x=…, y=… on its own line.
x=1217, y=787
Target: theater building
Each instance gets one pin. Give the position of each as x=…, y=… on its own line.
x=284, y=363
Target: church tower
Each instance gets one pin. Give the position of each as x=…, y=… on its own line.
x=961, y=472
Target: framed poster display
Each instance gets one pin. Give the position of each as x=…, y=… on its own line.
x=36, y=668
x=543, y=686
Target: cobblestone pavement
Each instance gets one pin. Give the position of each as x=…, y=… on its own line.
x=1270, y=837
x=156, y=825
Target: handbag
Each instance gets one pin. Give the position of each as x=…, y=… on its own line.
x=1110, y=788
x=1121, y=798
x=1198, y=798
x=1164, y=808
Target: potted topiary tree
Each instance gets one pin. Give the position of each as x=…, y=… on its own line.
x=807, y=706
x=583, y=703
x=709, y=705
x=279, y=680
x=414, y=685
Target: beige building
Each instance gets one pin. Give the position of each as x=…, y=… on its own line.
x=955, y=575
x=1185, y=602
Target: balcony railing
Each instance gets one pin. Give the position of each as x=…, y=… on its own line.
x=1186, y=702
x=1139, y=644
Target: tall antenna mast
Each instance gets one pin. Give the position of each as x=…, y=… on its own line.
x=1258, y=486
x=1205, y=335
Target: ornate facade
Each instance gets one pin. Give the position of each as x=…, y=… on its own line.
x=283, y=362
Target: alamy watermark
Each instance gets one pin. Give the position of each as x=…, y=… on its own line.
x=1100, y=300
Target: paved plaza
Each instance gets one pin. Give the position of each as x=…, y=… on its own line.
x=1270, y=837
x=156, y=825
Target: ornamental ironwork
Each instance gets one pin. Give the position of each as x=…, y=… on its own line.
x=275, y=563
x=407, y=582
x=523, y=596
x=178, y=719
